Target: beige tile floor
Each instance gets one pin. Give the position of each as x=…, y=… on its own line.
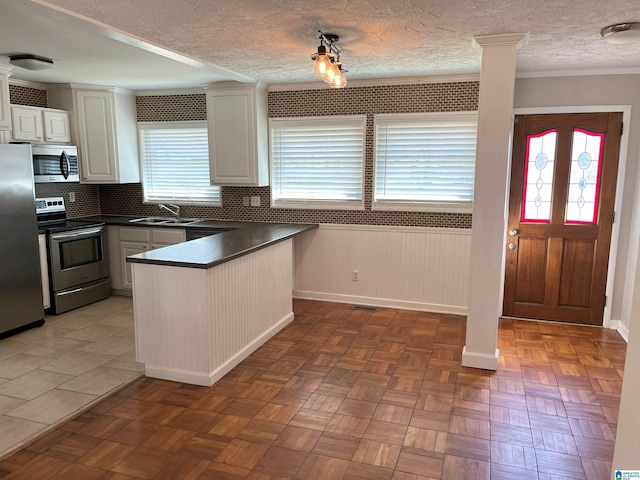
x=49, y=374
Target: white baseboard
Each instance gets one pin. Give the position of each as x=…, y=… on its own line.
x=122, y=293
x=227, y=366
x=183, y=376
x=480, y=360
x=209, y=378
x=380, y=302
x=619, y=326
x=623, y=331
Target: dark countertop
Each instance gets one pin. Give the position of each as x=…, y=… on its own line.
x=125, y=221
x=240, y=239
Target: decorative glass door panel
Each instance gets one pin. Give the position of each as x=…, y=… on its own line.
x=538, y=182
x=584, y=177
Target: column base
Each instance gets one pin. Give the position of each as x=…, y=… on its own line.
x=480, y=360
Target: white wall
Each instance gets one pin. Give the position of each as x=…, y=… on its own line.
x=403, y=267
x=592, y=91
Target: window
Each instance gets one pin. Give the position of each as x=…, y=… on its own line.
x=175, y=163
x=425, y=161
x=317, y=162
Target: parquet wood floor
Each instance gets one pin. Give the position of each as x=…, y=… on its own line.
x=353, y=394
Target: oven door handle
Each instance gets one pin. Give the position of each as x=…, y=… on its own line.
x=77, y=234
x=64, y=159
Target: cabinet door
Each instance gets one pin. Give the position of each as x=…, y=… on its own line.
x=5, y=110
x=237, y=135
x=126, y=249
x=44, y=271
x=56, y=126
x=95, y=112
x=27, y=124
x=163, y=237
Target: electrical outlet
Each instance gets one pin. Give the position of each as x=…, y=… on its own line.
x=355, y=275
x=255, y=201
x=245, y=201
x=72, y=197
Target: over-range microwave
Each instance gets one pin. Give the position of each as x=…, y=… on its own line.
x=55, y=163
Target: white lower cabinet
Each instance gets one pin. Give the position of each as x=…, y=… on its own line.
x=44, y=270
x=126, y=241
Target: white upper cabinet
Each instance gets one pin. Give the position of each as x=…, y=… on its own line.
x=238, y=141
x=27, y=124
x=39, y=125
x=5, y=111
x=107, y=135
x=56, y=126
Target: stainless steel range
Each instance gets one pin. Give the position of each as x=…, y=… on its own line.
x=77, y=250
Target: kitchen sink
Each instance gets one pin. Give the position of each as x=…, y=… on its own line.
x=164, y=220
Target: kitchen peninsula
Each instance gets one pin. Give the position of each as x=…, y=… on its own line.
x=202, y=306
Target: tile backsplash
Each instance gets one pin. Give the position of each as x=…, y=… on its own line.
x=432, y=97
x=369, y=100
x=87, y=197
x=32, y=97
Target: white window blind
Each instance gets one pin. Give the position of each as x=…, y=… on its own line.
x=317, y=162
x=425, y=161
x=175, y=163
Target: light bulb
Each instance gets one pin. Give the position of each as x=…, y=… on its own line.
x=339, y=80
x=331, y=73
x=323, y=62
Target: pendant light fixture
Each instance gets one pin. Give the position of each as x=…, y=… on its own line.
x=327, y=64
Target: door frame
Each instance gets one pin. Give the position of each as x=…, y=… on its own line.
x=607, y=322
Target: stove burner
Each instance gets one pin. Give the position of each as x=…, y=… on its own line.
x=68, y=225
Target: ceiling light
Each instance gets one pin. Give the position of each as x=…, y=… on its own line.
x=30, y=61
x=621, y=32
x=327, y=61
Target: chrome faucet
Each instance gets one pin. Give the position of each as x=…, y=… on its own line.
x=172, y=209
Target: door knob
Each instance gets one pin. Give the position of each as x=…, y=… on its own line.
x=513, y=232
x=512, y=246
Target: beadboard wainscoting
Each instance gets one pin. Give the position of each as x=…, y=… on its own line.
x=194, y=325
x=413, y=268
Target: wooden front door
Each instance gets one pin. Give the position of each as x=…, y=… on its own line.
x=563, y=182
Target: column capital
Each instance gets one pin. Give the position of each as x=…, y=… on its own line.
x=500, y=40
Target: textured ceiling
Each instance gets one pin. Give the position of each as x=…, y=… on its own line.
x=271, y=40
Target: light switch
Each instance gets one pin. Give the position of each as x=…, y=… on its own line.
x=245, y=201
x=255, y=201
x=72, y=196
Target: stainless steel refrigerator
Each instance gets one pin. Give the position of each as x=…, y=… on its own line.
x=20, y=283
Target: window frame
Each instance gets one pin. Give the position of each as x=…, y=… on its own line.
x=172, y=125
x=318, y=204
x=433, y=206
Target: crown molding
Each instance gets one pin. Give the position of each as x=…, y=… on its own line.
x=580, y=73
x=27, y=84
x=168, y=91
x=82, y=86
x=376, y=82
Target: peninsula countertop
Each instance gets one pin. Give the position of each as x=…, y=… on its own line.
x=240, y=238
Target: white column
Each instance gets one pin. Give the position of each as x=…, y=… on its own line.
x=495, y=119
